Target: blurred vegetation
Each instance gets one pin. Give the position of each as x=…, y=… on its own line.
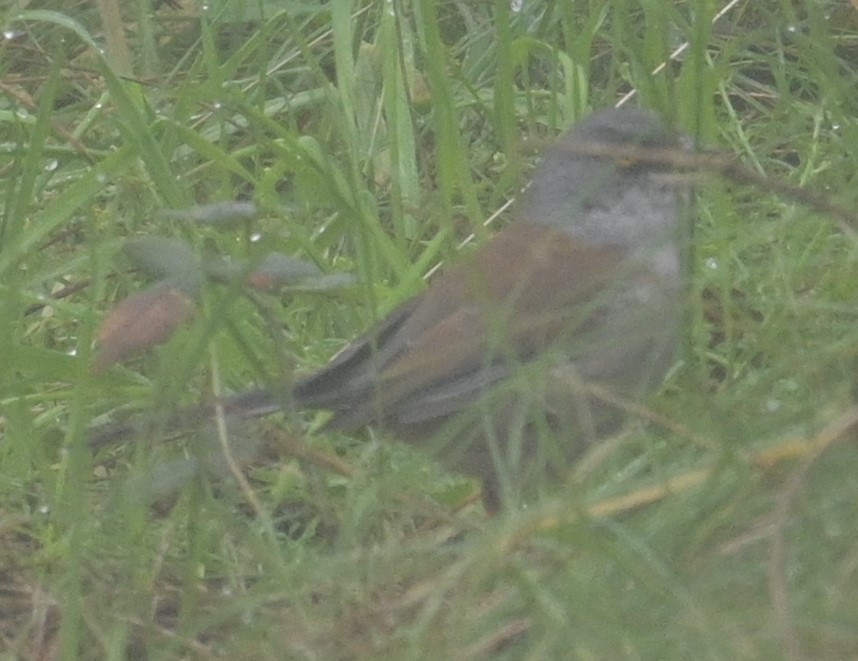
x=373, y=139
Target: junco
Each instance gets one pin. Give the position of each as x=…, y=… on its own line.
x=499, y=363
x=500, y=366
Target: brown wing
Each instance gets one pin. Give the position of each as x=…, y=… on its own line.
x=499, y=306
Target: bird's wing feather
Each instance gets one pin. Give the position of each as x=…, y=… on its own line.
x=356, y=365
x=501, y=304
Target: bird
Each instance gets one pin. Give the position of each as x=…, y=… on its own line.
x=509, y=364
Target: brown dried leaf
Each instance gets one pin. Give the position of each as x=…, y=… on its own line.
x=140, y=322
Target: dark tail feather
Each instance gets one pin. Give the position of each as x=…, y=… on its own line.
x=244, y=406
x=255, y=404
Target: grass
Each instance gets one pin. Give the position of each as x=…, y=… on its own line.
x=373, y=143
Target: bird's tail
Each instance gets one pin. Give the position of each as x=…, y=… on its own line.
x=243, y=406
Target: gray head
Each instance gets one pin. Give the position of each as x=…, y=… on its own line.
x=601, y=198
